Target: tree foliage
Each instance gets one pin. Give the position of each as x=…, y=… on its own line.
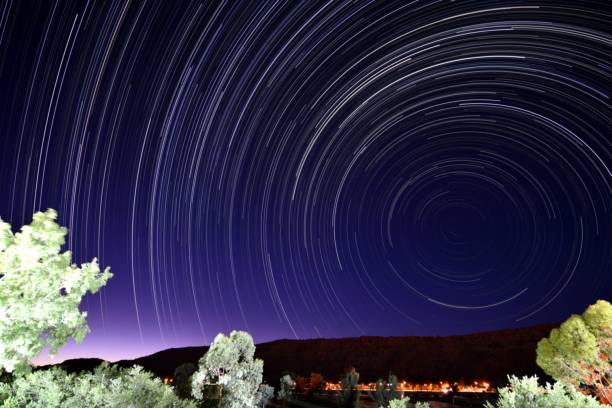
x=182, y=379
x=349, y=395
x=399, y=403
x=107, y=387
x=40, y=291
x=316, y=382
x=526, y=393
x=266, y=393
x=405, y=403
x=385, y=391
x=579, y=351
x=229, y=365
x=286, y=389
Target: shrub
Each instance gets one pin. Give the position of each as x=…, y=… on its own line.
x=526, y=393
x=405, y=403
x=399, y=403
x=106, y=387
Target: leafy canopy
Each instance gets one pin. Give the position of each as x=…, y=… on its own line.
x=287, y=387
x=40, y=291
x=579, y=351
x=230, y=367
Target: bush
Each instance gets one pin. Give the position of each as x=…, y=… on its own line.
x=106, y=387
x=405, y=403
x=526, y=393
x=399, y=403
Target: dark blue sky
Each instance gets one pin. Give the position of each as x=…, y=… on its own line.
x=314, y=169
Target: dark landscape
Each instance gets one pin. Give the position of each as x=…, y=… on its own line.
x=482, y=356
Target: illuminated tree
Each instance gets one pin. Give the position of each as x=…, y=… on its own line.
x=598, y=318
x=229, y=365
x=579, y=351
x=40, y=291
x=526, y=393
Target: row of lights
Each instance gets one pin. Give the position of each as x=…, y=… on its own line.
x=442, y=386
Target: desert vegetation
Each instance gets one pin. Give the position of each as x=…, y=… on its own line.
x=40, y=294
x=526, y=392
x=107, y=386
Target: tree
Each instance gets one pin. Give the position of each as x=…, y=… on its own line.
x=349, y=396
x=229, y=365
x=182, y=379
x=300, y=384
x=598, y=318
x=579, y=351
x=286, y=389
x=385, y=391
x=526, y=393
x=266, y=393
x=40, y=291
x=315, y=383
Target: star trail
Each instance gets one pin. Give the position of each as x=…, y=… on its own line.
x=317, y=168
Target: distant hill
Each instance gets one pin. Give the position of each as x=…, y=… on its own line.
x=488, y=355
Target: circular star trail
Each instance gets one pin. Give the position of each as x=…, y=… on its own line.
x=315, y=169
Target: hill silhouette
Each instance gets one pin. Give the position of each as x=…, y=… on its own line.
x=479, y=356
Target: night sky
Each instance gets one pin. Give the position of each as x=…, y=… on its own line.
x=314, y=169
